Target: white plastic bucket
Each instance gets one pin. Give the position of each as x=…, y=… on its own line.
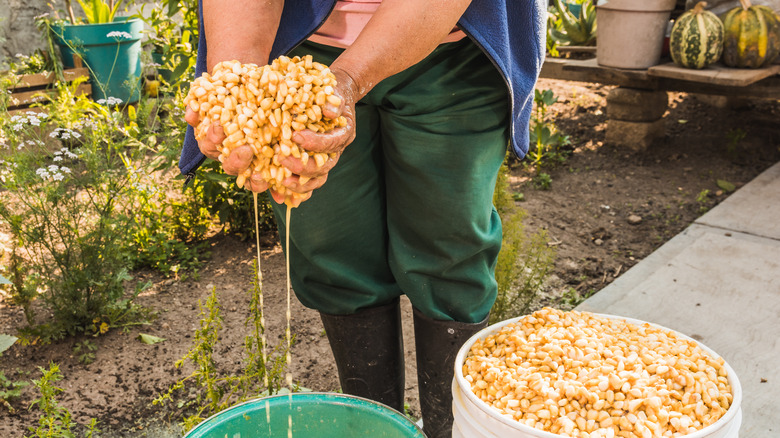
x=631, y=32
x=476, y=419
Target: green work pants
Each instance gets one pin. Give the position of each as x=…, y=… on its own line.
x=408, y=209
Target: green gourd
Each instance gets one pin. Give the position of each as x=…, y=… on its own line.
x=696, y=40
x=752, y=36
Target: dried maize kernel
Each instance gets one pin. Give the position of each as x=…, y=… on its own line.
x=263, y=107
x=577, y=374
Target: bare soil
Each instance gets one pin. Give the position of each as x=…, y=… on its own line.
x=607, y=208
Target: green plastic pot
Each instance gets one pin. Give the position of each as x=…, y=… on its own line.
x=312, y=414
x=112, y=51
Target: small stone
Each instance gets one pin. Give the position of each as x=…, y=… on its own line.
x=166, y=326
x=598, y=242
x=635, y=219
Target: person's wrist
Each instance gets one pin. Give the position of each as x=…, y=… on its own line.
x=348, y=84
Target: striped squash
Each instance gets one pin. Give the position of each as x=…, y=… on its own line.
x=752, y=36
x=697, y=38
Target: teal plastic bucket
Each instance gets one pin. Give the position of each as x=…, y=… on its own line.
x=112, y=51
x=312, y=414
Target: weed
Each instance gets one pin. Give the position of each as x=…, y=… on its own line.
x=263, y=374
x=547, y=143
x=571, y=298
x=734, y=137
x=85, y=351
x=542, y=181
x=523, y=262
x=703, y=199
x=55, y=421
x=9, y=391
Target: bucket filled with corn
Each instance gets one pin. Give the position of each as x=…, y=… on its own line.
x=573, y=374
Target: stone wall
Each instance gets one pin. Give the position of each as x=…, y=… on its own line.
x=17, y=27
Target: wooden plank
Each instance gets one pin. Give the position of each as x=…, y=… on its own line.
x=717, y=74
x=38, y=79
x=589, y=71
x=576, y=49
x=34, y=96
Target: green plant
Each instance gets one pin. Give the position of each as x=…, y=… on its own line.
x=542, y=181
x=96, y=11
x=55, y=421
x=66, y=199
x=85, y=351
x=262, y=373
x=547, y=143
x=703, y=199
x=10, y=390
x=734, y=137
x=232, y=205
x=575, y=31
x=171, y=42
x=524, y=261
x=23, y=285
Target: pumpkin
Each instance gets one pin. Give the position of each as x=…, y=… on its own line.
x=752, y=36
x=696, y=40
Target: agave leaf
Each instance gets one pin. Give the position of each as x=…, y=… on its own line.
x=113, y=12
x=87, y=11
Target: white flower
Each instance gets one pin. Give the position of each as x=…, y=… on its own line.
x=64, y=170
x=71, y=155
x=153, y=64
x=57, y=177
x=118, y=34
x=57, y=158
x=53, y=167
x=64, y=134
x=111, y=100
x=43, y=173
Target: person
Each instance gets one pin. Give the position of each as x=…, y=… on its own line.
x=433, y=92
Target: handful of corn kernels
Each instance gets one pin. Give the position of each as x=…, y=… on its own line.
x=262, y=107
x=577, y=374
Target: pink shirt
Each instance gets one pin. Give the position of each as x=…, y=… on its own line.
x=349, y=18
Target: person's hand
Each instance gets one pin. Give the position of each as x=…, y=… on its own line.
x=239, y=159
x=304, y=178
x=308, y=177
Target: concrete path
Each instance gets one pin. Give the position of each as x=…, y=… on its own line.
x=719, y=282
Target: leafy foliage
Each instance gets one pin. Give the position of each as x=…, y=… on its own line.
x=98, y=11
x=524, y=261
x=575, y=30
x=9, y=391
x=55, y=421
x=548, y=144
x=262, y=373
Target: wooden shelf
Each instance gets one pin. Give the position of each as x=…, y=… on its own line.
x=716, y=80
x=716, y=74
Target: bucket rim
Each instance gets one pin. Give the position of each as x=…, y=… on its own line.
x=237, y=408
x=465, y=388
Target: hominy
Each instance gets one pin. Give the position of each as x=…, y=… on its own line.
x=581, y=375
x=262, y=107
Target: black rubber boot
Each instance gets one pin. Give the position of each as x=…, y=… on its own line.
x=369, y=352
x=437, y=343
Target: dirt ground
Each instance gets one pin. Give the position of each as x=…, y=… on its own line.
x=607, y=209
